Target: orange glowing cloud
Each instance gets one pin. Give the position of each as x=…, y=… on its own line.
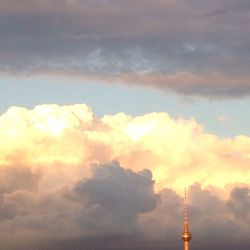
x=67, y=173
x=66, y=140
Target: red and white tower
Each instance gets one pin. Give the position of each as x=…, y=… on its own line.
x=186, y=235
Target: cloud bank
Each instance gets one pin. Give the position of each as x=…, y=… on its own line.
x=66, y=174
x=195, y=48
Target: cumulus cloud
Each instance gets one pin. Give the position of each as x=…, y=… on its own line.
x=177, y=151
x=66, y=174
x=105, y=204
x=213, y=221
x=192, y=47
x=116, y=196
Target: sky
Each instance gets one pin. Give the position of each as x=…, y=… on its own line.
x=109, y=109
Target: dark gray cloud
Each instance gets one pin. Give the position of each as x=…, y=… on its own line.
x=106, y=204
x=191, y=47
x=214, y=222
x=116, y=208
x=115, y=197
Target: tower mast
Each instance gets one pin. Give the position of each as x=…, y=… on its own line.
x=186, y=235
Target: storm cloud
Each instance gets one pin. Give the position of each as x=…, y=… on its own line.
x=194, y=48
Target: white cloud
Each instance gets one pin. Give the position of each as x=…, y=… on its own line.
x=64, y=182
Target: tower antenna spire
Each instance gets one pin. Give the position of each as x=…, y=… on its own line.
x=186, y=235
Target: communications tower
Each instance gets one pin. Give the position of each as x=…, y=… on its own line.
x=186, y=235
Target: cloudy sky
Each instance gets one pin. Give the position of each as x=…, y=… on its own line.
x=109, y=109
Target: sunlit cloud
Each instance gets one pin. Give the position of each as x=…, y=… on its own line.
x=67, y=173
x=177, y=151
